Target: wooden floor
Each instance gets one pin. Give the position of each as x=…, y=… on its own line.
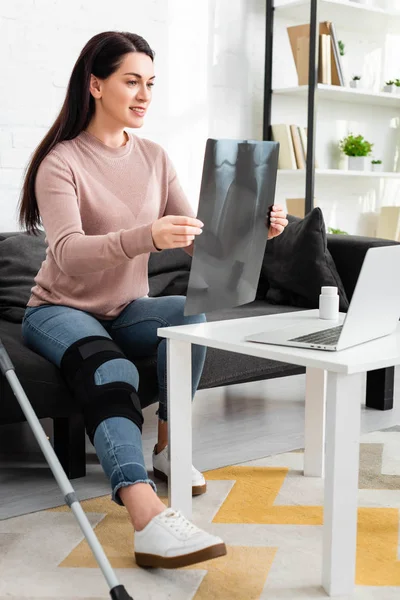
x=230, y=425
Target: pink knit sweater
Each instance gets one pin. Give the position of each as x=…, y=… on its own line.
x=97, y=205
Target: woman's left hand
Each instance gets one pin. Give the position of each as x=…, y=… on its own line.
x=278, y=221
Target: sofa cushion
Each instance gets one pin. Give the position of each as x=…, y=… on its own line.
x=297, y=263
x=41, y=380
x=21, y=256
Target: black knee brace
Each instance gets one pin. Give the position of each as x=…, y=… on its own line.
x=99, y=402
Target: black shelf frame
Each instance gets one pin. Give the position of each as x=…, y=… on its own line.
x=312, y=91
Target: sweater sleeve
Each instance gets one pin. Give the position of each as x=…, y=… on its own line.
x=75, y=252
x=177, y=202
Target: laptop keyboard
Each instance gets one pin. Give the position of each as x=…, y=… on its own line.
x=328, y=337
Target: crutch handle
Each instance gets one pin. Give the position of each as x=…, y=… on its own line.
x=5, y=361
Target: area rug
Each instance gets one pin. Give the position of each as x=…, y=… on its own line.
x=266, y=511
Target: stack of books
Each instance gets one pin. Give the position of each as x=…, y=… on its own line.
x=292, y=146
x=330, y=70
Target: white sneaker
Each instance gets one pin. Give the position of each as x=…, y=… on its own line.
x=170, y=541
x=161, y=470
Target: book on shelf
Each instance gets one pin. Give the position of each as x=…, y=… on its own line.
x=324, y=63
x=298, y=147
x=281, y=133
x=335, y=54
x=303, y=138
x=330, y=69
x=292, y=146
x=297, y=206
x=302, y=54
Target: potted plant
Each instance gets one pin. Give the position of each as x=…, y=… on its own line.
x=397, y=85
x=376, y=165
x=389, y=86
x=355, y=82
x=356, y=148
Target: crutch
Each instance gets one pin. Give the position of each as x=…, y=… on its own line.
x=117, y=591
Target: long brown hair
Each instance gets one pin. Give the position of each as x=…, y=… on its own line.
x=101, y=56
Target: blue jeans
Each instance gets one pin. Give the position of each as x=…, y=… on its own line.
x=49, y=330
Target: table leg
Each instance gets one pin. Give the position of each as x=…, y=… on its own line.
x=343, y=416
x=314, y=429
x=179, y=382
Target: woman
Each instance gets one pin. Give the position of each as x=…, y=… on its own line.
x=106, y=199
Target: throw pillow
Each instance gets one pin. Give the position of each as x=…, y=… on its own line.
x=21, y=256
x=298, y=263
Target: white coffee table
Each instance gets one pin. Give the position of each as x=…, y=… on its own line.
x=335, y=388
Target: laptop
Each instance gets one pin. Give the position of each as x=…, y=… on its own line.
x=373, y=312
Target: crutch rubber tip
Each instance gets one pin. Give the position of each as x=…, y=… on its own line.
x=119, y=593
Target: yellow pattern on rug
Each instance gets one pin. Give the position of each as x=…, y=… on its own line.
x=377, y=544
x=250, y=501
x=239, y=575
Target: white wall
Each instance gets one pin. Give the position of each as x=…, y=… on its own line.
x=40, y=41
x=209, y=65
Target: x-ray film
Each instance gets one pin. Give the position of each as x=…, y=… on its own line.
x=237, y=190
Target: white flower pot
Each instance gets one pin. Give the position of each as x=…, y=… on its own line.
x=355, y=83
x=343, y=162
x=357, y=163
x=389, y=89
x=397, y=89
x=376, y=168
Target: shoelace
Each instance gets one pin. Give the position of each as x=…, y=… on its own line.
x=176, y=520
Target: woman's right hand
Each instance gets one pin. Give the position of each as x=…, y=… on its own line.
x=175, y=231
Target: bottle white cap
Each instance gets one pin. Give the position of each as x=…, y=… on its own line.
x=329, y=290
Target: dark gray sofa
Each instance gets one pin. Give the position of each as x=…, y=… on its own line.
x=169, y=270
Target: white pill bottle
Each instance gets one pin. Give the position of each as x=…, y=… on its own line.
x=329, y=303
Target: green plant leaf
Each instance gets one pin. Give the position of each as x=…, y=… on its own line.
x=355, y=145
x=337, y=231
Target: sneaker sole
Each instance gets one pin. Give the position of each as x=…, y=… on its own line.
x=197, y=490
x=183, y=560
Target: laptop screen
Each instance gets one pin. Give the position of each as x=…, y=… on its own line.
x=237, y=189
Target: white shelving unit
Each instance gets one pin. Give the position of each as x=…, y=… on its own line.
x=342, y=12
x=338, y=173
x=344, y=94
x=366, y=22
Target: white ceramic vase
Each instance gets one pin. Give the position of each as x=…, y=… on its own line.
x=355, y=83
x=357, y=163
x=376, y=168
x=390, y=89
